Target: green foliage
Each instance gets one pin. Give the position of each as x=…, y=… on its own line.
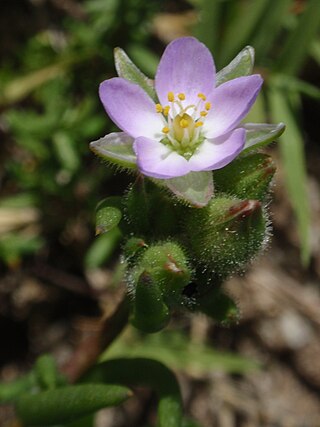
x=174, y=349
x=147, y=372
x=283, y=38
x=68, y=403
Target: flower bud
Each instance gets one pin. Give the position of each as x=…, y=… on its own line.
x=167, y=265
x=137, y=208
x=247, y=177
x=150, y=313
x=226, y=234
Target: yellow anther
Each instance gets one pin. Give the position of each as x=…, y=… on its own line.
x=198, y=124
x=159, y=108
x=182, y=96
x=166, y=129
x=166, y=110
x=183, y=123
x=207, y=106
x=202, y=96
x=203, y=113
x=170, y=96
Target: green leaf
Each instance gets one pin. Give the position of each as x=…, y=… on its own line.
x=102, y=248
x=68, y=403
x=269, y=26
x=10, y=391
x=293, y=159
x=241, y=65
x=297, y=46
x=108, y=214
x=129, y=71
x=144, y=372
x=261, y=134
x=245, y=17
x=175, y=350
x=195, y=188
x=116, y=148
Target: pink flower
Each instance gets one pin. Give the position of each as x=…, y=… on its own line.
x=194, y=127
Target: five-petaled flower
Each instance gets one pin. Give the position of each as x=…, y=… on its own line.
x=195, y=125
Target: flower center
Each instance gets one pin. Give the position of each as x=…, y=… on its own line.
x=183, y=124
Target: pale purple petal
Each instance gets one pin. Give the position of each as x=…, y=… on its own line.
x=186, y=66
x=217, y=153
x=159, y=161
x=130, y=108
x=230, y=103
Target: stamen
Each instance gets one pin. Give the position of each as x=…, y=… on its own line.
x=202, y=96
x=198, y=124
x=183, y=123
x=165, y=129
x=207, y=106
x=203, y=113
x=166, y=110
x=159, y=108
x=170, y=96
x=182, y=96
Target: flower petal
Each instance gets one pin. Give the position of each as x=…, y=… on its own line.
x=130, y=108
x=159, y=161
x=217, y=153
x=186, y=66
x=230, y=104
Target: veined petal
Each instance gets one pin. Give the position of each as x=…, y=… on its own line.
x=159, y=161
x=230, y=103
x=130, y=108
x=217, y=153
x=186, y=66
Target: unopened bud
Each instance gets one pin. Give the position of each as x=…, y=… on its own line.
x=150, y=313
x=226, y=234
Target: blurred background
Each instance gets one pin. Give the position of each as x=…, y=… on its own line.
x=57, y=278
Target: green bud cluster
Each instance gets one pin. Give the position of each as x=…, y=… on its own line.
x=176, y=254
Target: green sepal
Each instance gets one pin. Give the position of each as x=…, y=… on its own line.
x=108, y=214
x=226, y=234
x=116, y=148
x=66, y=404
x=194, y=189
x=260, y=134
x=150, y=313
x=48, y=376
x=241, y=65
x=137, y=207
x=218, y=306
x=129, y=71
x=247, y=177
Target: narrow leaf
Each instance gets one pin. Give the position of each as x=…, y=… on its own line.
x=129, y=71
x=293, y=158
x=261, y=134
x=241, y=65
x=115, y=148
x=195, y=188
x=68, y=403
x=297, y=46
x=144, y=372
